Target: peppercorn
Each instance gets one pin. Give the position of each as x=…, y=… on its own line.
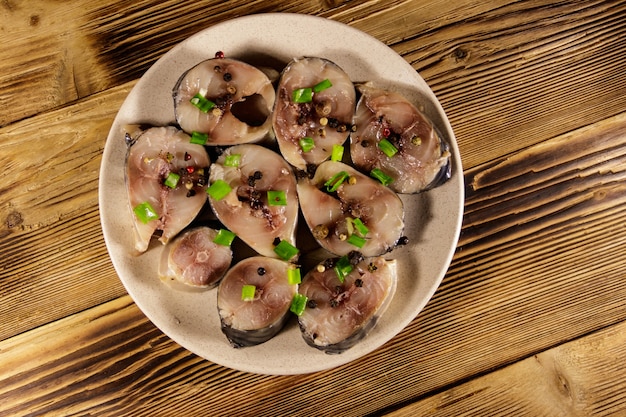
x=260, y=271
x=227, y=76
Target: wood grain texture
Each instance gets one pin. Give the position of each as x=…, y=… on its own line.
x=508, y=85
x=536, y=92
x=538, y=265
x=498, y=68
x=568, y=381
x=54, y=261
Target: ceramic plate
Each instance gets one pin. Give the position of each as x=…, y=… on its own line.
x=433, y=219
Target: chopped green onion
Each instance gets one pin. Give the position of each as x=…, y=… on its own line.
x=306, y=144
x=321, y=86
x=276, y=198
x=172, y=180
x=145, y=212
x=302, y=95
x=294, y=276
x=199, y=138
x=202, y=103
x=387, y=148
x=224, y=237
x=335, y=181
x=381, y=176
x=343, y=267
x=247, y=292
x=360, y=227
x=337, y=153
x=232, y=160
x=356, y=240
x=298, y=304
x=219, y=189
x=286, y=250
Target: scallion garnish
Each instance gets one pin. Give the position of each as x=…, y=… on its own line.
x=335, y=181
x=343, y=267
x=276, y=198
x=199, y=138
x=232, y=160
x=387, y=148
x=302, y=95
x=247, y=292
x=202, y=103
x=145, y=212
x=306, y=144
x=293, y=275
x=298, y=304
x=337, y=153
x=322, y=85
x=219, y=189
x=381, y=176
x=171, y=180
x=224, y=237
x=286, y=250
x=356, y=240
x=360, y=227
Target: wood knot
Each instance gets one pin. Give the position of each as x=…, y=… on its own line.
x=34, y=20
x=14, y=219
x=460, y=54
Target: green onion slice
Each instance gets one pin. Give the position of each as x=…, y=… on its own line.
x=199, y=138
x=286, y=250
x=294, y=276
x=172, y=180
x=302, y=95
x=306, y=144
x=145, y=212
x=219, y=189
x=360, y=227
x=224, y=237
x=232, y=160
x=298, y=304
x=387, y=148
x=356, y=240
x=202, y=103
x=343, y=267
x=322, y=85
x=337, y=153
x=276, y=198
x=335, y=181
x=381, y=176
x=247, y=292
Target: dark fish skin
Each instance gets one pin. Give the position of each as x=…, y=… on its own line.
x=340, y=314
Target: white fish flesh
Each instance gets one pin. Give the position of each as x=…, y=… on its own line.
x=248, y=322
x=339, y=313
x=155, y=155
x=325, y=120
x=247, y=210
x=236, y=97
x=332, y=215
x=395, y=137
x=194, y=260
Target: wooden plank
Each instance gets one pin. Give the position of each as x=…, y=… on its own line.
x=568, y=380
x=54, y=261
x=498, y=90
x=502, y=75
x=539, y=263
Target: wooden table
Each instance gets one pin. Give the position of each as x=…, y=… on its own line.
x=531, y=316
